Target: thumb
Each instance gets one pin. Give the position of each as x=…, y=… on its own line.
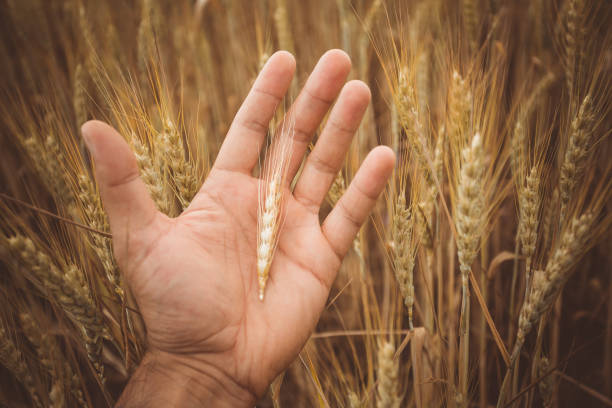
x=125, y=197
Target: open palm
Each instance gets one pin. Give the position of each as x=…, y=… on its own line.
x=194, y=277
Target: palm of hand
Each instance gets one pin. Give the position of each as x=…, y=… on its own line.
x=207, y=257
x=194, y=277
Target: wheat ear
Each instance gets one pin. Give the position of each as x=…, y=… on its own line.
x=283, y=27
x=79, y=94
x=270, y=202
x=48, y=159
x=387, y=390
x=469, y=222
x=11, y=358
x=183, y=174
x=70, y=291
x=576, y=153
x=48, y=354
x=403, y=252
x=470, y=19
x=151, y=175
x=547, y=283
x=574, y=37
x=545, y=385
x=529, y=204
x=146, y=36
x=387, y=373
x=337, y=189
x=459, y=107
x=96, y=218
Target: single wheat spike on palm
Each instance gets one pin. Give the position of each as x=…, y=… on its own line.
x=269, y=212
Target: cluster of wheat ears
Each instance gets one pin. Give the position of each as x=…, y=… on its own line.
x=453, y=293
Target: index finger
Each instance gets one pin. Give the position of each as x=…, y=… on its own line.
x=240, y=150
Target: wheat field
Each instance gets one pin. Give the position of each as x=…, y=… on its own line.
x=482, y=278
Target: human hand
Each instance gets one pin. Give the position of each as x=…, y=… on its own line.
x=211, y=340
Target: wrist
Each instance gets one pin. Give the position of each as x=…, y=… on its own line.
x=164, y=379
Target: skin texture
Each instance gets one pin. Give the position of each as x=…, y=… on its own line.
x=210, y=339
